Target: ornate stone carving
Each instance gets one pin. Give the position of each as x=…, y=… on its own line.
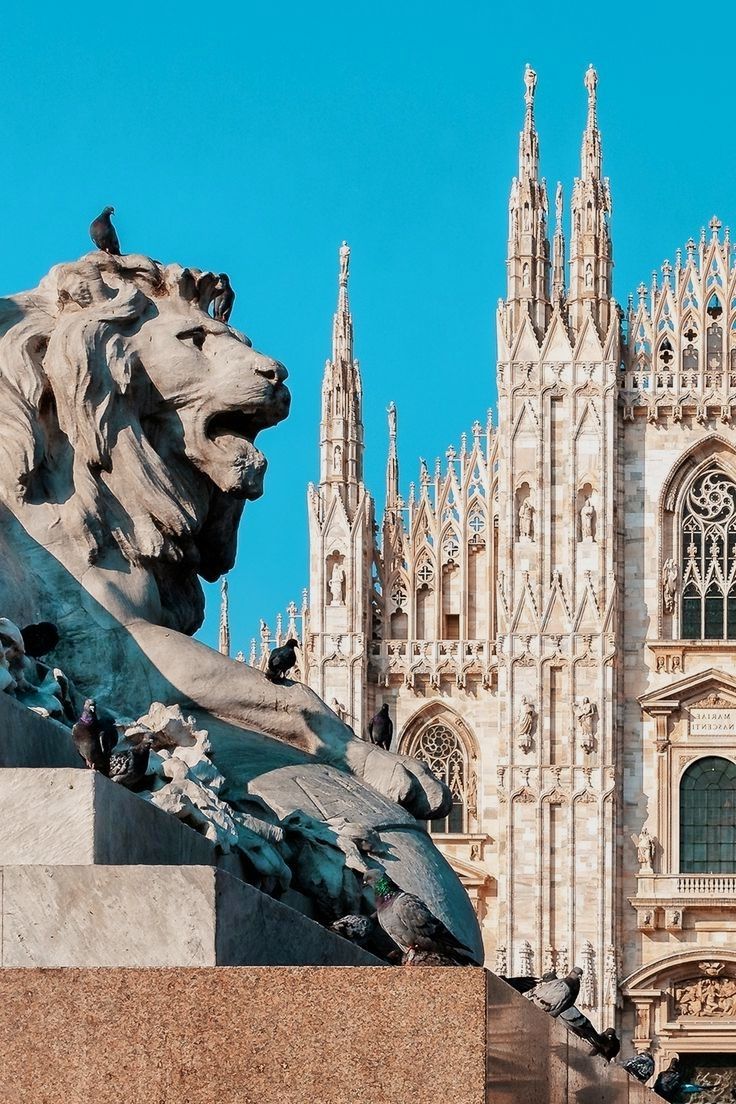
x=645, y=851
x=563, y=962
x=501, y=966
x=587, y=520
x=587, y=997
x=586, y=715
x=706, y=996
x=611, y=994
x=670, y=573
x=526, y=520
x=526, y=959
x=525, y=724
x=337, y=584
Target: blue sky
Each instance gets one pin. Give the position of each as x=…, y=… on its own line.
x=253, y=139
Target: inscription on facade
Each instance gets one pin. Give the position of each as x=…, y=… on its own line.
x=713, y=722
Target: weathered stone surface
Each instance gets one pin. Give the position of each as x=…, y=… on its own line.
x=70, y=817
x=133, y=916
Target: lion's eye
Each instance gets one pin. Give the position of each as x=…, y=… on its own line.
x=195, y=335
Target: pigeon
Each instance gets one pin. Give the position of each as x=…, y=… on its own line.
x=358, y=929
x=281, y=660
x=411, y=925
x=671, y=1083
x=40, y=639
x=555, y=997
x=525, y=984
x=641, y=1066
x=93, y=739
x=606, y=1043
x=129, y=766
x=429, y=958
x=102, y=233
x=381, y=728
x=222, y=304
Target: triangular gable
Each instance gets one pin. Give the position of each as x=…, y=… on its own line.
x=556, y=345
x=588, y=345
x=526, y=346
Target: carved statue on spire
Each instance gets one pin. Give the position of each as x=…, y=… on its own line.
x=392, y=419
x=591, y=82
x=344, y=262
x=530, y=80
x=558, y=204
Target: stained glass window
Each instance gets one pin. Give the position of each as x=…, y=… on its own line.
x=708, y=817
x=709, y=559
x=446, y=755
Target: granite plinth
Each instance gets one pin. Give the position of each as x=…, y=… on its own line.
x=107, y=916
x=535, y=1059
x=71, y=817
x=289, y=1036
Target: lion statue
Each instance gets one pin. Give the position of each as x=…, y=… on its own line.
x=127, y=455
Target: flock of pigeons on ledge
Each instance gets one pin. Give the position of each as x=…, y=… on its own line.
x=421, y=938
x=425, y=941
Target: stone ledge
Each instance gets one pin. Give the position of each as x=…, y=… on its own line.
x=154, y=916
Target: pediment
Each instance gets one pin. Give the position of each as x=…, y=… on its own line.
x=711, y=688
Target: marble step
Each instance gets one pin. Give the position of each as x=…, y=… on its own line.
x=61, y=816
x=144, y=916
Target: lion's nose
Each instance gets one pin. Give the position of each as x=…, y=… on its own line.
x=273, y=371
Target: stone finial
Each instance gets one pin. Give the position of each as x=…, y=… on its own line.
x=715, y=225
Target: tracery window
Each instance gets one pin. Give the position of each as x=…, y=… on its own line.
x=446, y=755
x=709, y=559
x=708, y=817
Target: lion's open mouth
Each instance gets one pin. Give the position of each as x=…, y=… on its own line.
x=233, y=423
x=233, y=432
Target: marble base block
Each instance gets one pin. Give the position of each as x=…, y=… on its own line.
x=103, y=916
x=76, y=817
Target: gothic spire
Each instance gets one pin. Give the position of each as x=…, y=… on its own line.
x=224, y=637
x=590, y=245
x=529, y=139
x=342, y=324
x=558, y=252
x=341, y=426
x=392, y=464
x=528, y=249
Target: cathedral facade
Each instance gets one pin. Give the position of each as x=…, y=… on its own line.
x=551, y=616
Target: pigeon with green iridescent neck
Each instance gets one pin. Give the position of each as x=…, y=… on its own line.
x=408, y=921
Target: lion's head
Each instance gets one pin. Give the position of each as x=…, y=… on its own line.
x=129, y=407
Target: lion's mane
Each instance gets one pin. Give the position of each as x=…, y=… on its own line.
x=78, y=431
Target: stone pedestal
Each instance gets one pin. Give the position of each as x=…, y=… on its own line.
x=289, y=1036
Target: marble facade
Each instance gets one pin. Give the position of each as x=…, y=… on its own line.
x=541, y=612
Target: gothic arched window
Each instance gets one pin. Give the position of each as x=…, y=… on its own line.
x=708, y=817
x=709, y=559
x=446, y=755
